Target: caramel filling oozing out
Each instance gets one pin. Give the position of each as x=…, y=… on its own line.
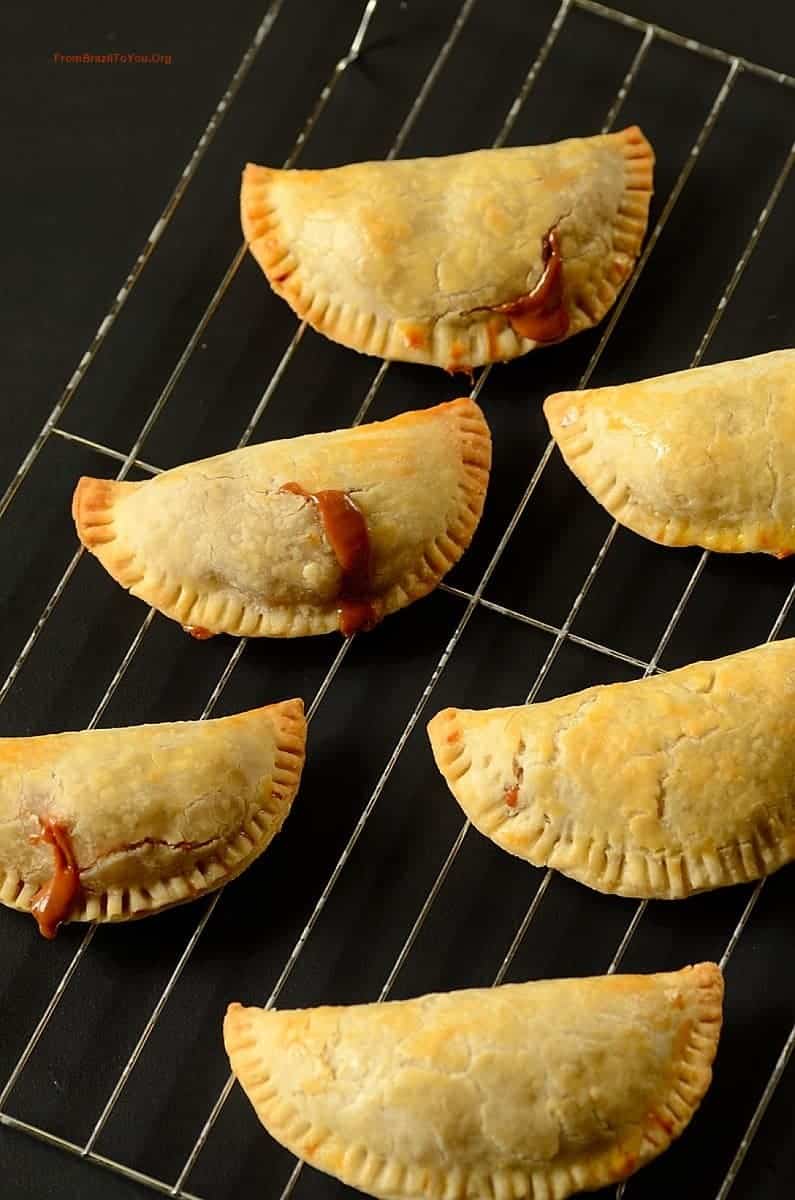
x=54, y=901
x=346, y=529
x=541, y=313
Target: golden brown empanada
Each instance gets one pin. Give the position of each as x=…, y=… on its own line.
x=703, y=457
x=659, y=788
x=518, y=1092
x=311, y=534
x=111, y=824
x=456, y=261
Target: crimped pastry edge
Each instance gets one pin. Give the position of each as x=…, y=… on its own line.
x=224, y=611
x=225, y=858
x=575, y=443
x=691, y=1075
x=583, y=856
x=439, y=342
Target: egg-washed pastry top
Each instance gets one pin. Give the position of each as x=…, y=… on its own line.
x=455, y=261
x=656, y=788
x=704, y=457
x=302, y=536
x=110, y=824
x=520, y=1092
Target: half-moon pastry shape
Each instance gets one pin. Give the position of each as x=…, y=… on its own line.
x=530, y=1090
x=703, y=457
x=658, y=788
x=112, y=824
x=302, y=536
x=456, y=261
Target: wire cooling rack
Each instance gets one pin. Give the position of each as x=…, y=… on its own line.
x=611, y=57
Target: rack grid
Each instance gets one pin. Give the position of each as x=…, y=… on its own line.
x=471, y=600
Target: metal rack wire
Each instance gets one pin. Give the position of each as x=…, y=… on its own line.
x=474, y=599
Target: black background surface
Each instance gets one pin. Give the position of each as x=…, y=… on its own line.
x=93, y=154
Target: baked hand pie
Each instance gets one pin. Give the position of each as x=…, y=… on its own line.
x=658, y=788
x=302, y=536
x=457, y=261
x=529, y=1090
x=703, y=457
x=112, y=824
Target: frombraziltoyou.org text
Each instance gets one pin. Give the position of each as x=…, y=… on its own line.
x=113, y=58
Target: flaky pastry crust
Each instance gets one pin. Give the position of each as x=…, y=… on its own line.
x=703, y=457
x=521, y=1092
x=219, y=544
x=412, y=259
x=156, y=814
x=658, y=788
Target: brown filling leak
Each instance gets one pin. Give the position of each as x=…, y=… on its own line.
x=198, y=632
x=346, y=530
x=452, y=369
x=54, y=901
x=541, y=314
x=457, y=352
x=512, y=796
x=512, y=791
